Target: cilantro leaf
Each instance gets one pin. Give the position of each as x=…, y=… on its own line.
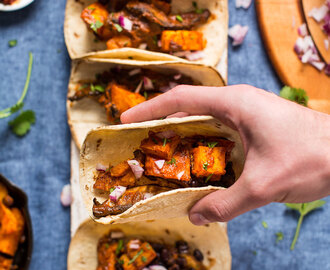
x=12, y=43
x=98, y=88
x=205, y=165
x=197, y=10
x=208, y=178
x=96, y=25
x=212, y=144
x=303, y=209
x=22, y=123
x=118, y=27
x=294, y=94
x=179, y=18
x=264, y=224
x=279, y=237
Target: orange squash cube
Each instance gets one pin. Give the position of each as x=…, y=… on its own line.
x=182, y=40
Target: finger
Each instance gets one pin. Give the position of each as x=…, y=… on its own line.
x=194, y=100
x=178, y=114
x=224, y=205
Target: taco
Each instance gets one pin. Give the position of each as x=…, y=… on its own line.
x=99, y=92
x=156, y=169
x=148, y=29
x=154, y=245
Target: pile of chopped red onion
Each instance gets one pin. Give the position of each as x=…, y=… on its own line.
x=322, y=14
x=238, y=33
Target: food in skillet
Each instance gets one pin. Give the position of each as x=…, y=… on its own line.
x=164, y=161
x=11, y=229
x=118, y=89
x=118, y=252
x=148, y=24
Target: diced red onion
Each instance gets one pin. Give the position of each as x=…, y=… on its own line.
x=147, y=196
x=117, y=193
x=326, y=44
x=117, y=235
x=159, y=43
x=177, y=76
x=133, y=245
x=148, y=85
x=300, y=46
x=136, y=168
x=134, y=71
x=179, y=175
x=100, y=167
x=66, y=197
x=326, y=25
x=138, y=88
x=318, y=14
x=328, y=3
x=164, y=89
x=160, y=163
x=317, y=64
x=243, y=3
x=157, y=267
x=306, y=56
x=238, y=33
x=193, y=56
x=143, y=46
x=302, y=30
x=145, y=268
x=125, y=23
x=327, y=69
x=166, y=134
x=181, y=53
x=173, y=84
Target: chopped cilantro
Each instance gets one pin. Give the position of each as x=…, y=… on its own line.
x=294, y=94
x=91, y=8
x=136, y=256
x=22, y=123
x=172, y=161
x=97, y=87
x=212, y=144
x=144, y=259
x=179, y=18
x=107, y=245
x=164, y=142
x=205, y=165
x=111, y=190
x=279, y=237
x=264, y=224
x=208, y=178
x=162, y=118
x=96, y=25
x=155, y=40
x=197, y=10
x=118, y=27
x=83, y=86
x=12, y=43
x=120, y=246
x=303, y=209
x=120, y=261
x=145, y=94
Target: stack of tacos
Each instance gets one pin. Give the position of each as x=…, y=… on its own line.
x=124, y=53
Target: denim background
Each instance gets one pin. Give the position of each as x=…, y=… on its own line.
x=40, y=162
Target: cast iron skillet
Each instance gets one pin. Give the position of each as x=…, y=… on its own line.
x=24, y=251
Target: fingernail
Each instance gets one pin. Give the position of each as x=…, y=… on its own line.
x=198, y=219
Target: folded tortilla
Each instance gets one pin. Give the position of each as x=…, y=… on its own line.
x=113, y=144
x=80, y=40
x=87, y=114
x=211, y=240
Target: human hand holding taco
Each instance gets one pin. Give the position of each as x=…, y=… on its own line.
x=284, y=144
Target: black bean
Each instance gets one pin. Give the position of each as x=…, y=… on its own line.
x=157, y=247
x=165, y=255
x=198, y=255
x=182, y=262
x=182, y=247
x=118, y=266
x=8, y=201
x=104, y=2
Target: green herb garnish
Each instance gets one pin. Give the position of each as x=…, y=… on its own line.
x=172, y=161
x=179, y=18
x=279, y=237
x=197, y=10
x=12, y=43
x=144, y=259
x=120, y=261
x=97, y=87
x=208, y=178
x=136, y=256
x=297, y=95
x=85, y=85
x=205, y=165
x=145, y=94
x=212, y=144
x=164, y=142
x=96, y=25
x=120, y=246
x=155, y=40
x=107, y=245
x=111, y=190
x=264, y=224
x=118, y=27
x=303, y=209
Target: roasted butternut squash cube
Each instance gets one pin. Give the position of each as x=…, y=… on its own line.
x=126, y=263
x=118, y=42
x=177, y=168
x=182, y=40
x=143, y=256
x=5, y=263
x=128, y=180
x=120, y=169
x=161, y=148
x=95, y=15
x=124, y=99
x=209, y=161
x=103, y=181
x=11, y=229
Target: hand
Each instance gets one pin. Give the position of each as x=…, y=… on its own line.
x=286, y=146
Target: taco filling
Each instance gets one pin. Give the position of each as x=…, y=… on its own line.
x=117, y=252
x=164, y=161
x=148, y=24
x=118, y=90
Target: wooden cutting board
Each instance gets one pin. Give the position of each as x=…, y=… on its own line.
x=278, y=21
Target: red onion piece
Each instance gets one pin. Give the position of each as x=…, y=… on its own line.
x=66, y=197
x=117, y=235
x=326, y=25
x=166, y=134
x=133, y=245
x=177, y=76
x=157, y=267
x=159, y=43
x=148, y=85
x=143, y=46
x=193, y=56
x=328, y=3
x=238, y=33
x=243, y=3
x=134, y=71
x=179, y=175
x=160, y=163
x=138, y=88
x=326, y=44
x=302, y=30
x=125, y=23
x=318, y=14
x=100, y=167
x=173, y=84
x=327, y=69
x=164, y=89
x=317, y=64
x=117, y=193
x=136, y=168
x=147, y=196
x=306, y=56
x=181, y=54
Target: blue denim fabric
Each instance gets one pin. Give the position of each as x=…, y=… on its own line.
x=40, y=162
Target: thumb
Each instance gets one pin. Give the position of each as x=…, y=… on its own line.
x=224, y=205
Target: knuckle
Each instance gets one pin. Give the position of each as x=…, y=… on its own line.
x=258, y=191
x=220, y=210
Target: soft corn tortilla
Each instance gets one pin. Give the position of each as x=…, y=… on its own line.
x=80, y=40
x=113, y=144
x=86, y=114
x=211, y=240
